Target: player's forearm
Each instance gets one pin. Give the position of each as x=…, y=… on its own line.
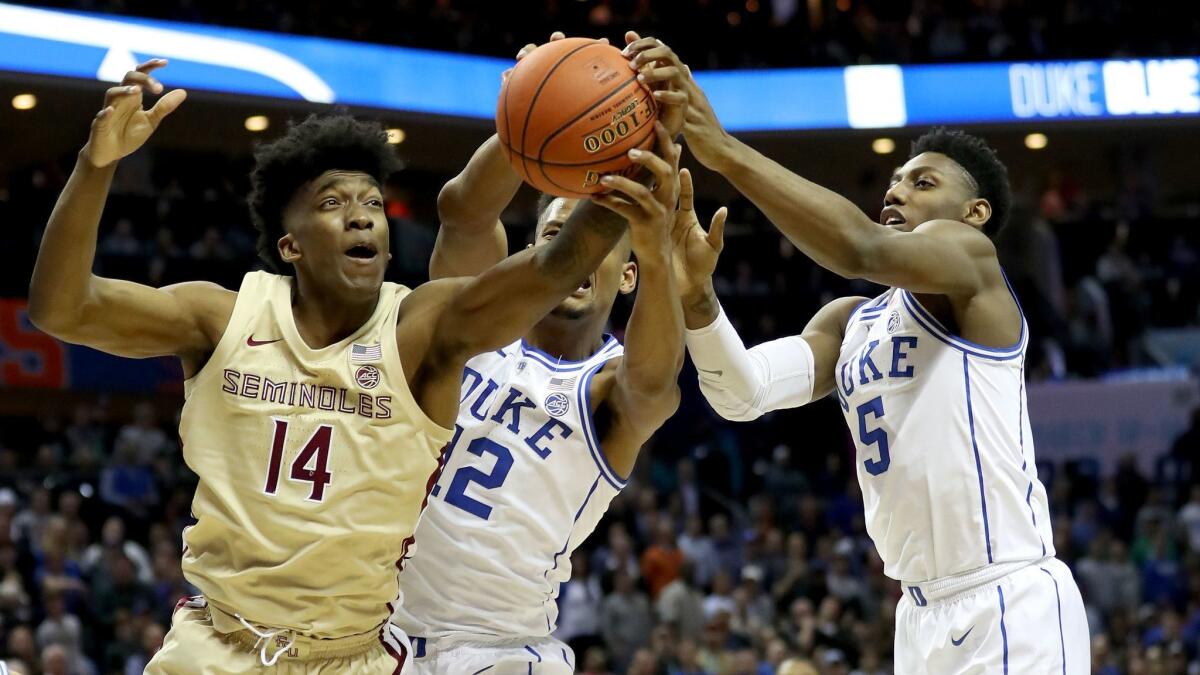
x=62, y=274
x=741, y=384
x=654, y=335
x=824, y=225
x=504, y=302
x=700, y=305
x=472, y=201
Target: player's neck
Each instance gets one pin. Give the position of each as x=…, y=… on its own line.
x=323, y=319
x=569, y=339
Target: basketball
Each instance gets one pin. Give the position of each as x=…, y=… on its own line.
x=570, y=112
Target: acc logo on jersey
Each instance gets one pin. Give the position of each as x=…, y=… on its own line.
x=893, y=322
x=367, y=377
x=557, y=404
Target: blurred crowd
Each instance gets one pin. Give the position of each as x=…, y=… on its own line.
x=723, y=33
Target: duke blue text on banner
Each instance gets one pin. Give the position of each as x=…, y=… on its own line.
x=92, y=46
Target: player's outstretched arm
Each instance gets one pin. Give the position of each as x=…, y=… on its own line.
x=471, y=237
x=645, y=388
x=69, y=302
x=742, y=384
x=824, y=225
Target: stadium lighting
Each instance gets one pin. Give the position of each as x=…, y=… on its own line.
x=395, y=136
x=24, y=101
x=883, y=146
x=1036, y=141
x=257, y=123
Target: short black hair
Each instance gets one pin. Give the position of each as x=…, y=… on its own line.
x=544, y=201
x=318, y=144
x=980, y=161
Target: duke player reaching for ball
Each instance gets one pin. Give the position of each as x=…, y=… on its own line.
x=549, y=426
x=929, y=375
x=318, y=398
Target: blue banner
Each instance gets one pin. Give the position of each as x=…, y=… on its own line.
x=91, y=46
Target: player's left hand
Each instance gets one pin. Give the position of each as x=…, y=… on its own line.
x=649, y=210
x=694, y=252
x=665, y=86
x=658, y=65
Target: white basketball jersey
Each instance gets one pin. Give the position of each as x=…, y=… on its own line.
x=523, y=484
x=944, y=447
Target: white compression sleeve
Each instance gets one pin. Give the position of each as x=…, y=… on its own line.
x=741, y=384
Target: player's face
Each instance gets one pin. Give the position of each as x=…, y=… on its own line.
x=616, y=274
x=337, y=233
x=930, y=186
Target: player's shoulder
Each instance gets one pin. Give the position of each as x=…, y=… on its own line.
x=210, y=303
x=832, y=318
x=969, y=236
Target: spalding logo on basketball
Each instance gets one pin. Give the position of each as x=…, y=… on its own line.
x=367, y=377
x=557, y=404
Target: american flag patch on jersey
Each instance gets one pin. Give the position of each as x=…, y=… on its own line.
x=563, y=383
x=366, y=353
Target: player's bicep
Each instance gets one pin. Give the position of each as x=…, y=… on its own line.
x=942, y=257
x=133, y=320
x=824, y=334
x=458, y=253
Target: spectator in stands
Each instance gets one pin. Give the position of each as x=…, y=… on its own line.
x=661, y=562
x=57, y=661
x=29, y=523
x=681, y=606
x=625, y=620
x=151, y=642
x=116, y=587
x=21, y=646
x=61, y=628
x=128, y=485
x=121, y=241
x=698, y=548
x=99, y=557
x=146, y=439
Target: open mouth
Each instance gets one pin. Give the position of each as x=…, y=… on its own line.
x=364, y=252
x=891, y=217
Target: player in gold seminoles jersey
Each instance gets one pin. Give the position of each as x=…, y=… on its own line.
x=317, y=398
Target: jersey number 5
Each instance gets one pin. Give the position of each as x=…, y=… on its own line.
x=874, y=436
x=315, y=452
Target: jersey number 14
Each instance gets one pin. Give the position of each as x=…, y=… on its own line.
x=310, y=466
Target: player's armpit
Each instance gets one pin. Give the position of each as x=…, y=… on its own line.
x=137, y=321
x=944, y=257
x=824, y=333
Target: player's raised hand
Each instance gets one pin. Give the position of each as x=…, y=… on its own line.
x=694, y=252
x=668, y=93
x=659, y=65
x=649, y=209
x=122, y=126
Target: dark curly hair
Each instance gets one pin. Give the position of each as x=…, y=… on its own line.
x=980, y=161
x=318, y=144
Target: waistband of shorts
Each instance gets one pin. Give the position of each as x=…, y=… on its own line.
x=303, y=647
x=423, y=646
x=945, y=588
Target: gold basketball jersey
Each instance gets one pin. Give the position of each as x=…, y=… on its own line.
x=313, y=466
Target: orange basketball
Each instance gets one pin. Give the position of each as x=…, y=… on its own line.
x=570, y=112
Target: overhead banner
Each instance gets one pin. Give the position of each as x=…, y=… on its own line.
x=94, y=46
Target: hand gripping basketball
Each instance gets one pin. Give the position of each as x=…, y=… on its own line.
x=568, y=114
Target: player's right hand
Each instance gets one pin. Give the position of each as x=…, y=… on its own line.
x=694, y=252
x=649, y=210
x=122, y=126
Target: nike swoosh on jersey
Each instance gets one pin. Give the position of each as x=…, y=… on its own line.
x=250, y=341
x=959, y=641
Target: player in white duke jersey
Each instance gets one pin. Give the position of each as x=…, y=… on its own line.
x=930, y=378
x=548, y=430
x=298, y=543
